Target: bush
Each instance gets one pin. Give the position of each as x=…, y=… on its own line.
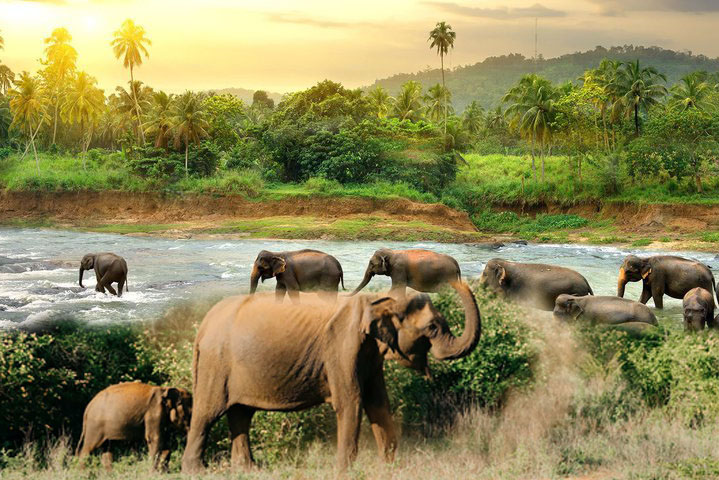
x=203, y=160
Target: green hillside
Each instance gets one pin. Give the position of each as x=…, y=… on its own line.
x=489, y=80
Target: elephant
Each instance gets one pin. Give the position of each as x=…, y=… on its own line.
x=422, y=270
x=664, y=275
x=602, y=310
x=131, y=411
x=533, y=284
x=252, y=353
x=108, y=268
x=698, y=306
x=298, y=271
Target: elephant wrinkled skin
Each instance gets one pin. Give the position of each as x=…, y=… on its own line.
x=299, y=271
x=252, y=353
x=533, y=284
x=664, y=275
x=109, y=268
x=698, y=306
x=604, y=310
x=133, y=411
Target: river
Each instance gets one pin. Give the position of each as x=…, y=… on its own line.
x=39, y=270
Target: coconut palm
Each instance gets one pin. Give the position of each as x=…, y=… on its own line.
x=131, y=43
x=408, y=104
x=2, y=42
x=603, y=83
x=691, y=92
x=114, y=122
x=60, y=66
x=188, y=122
x=6, y=79
x=380, y=100
x=28, y=104
x=158, y=119
x=639, y=89
x=473, y=117
x=496, y=119
x=5, y=119
x=436, y=101
x=134, y=101
x=84, y=105
x=442, y=38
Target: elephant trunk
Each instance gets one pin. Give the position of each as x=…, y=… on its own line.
x=254, y=278
x=621, y=282
x=449, y=347
x=82, y=270
x=368, y=274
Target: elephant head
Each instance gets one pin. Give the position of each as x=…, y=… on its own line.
x=413, y=327
x=566, y=308
x=87, y=263
x=379, y=264
x=177, y=405
x=494, y=275
x=633, y=269
x=267, y=265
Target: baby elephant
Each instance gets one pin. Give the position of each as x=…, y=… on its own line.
x=132, y=411
x=698, y=310
x=599, y=310
x=109, y=268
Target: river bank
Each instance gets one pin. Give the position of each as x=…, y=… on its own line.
x=655, y=226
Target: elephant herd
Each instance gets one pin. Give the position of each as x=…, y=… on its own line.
x=254, y=352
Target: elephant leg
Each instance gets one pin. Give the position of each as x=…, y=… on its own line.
x=398, y=291
x=294, y=295
x=91, y=441
x=106, y=457
x=348, y=428
x=280, y=291
x=239, y=418
x=154, y=442
x=658, y=296
x=376, y=405
x=120, y=286
x=328, y=295
x=646, y=294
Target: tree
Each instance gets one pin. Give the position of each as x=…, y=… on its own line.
x=442, y=38
x=158, y=121
x=381, y=101
x=436, y=101
x=639, y=88
x=28, y=104
x=84, y=105
x=188, y=122
x=260, y=99
x=133, y=102
x=408, y=104
x=130, y=43
x=473, y=117
x=7, y=77
x=602, y=83
x=5, y=119
x=59, y=68
x=691, y=92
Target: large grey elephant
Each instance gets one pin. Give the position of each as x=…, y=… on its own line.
x=604, y=310
x=698, y=306
x=133, y=411
x=664, y=275
x=422, y=270
x=533, y=284
x=109, y=268
x=252, y=353
x=300, y=271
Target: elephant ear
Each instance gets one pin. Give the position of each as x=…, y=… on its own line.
x=170, y=399
x=278, y=265
x=574, y=309
x=378, y=321
x=646, y=271
x=501, y=274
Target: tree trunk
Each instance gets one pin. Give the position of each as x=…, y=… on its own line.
x=137, y=107
x=34, y=150
x=444, y=93
x=541, y=158
x=636, y=119
x=54, y=127
x=579, y=168
x=534, y=167
x=187, y=149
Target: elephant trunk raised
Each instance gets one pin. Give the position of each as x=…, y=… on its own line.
x=368, y=274
x=82, y=270
x=449, y=347
x=254, y=278
x=622, y=282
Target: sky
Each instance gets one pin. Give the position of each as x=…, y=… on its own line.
x=286, y=45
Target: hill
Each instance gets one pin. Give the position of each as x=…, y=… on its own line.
x=487, y=81
x=245, y=94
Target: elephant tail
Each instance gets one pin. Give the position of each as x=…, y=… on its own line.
x=127, y=285
x=591, y=292
x=342, y=280
x=82, y=439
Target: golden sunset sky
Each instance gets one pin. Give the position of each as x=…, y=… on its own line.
x=284, y=45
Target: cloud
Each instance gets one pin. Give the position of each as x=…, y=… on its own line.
x=312, y=22
x=499, y=13
x=619, y=7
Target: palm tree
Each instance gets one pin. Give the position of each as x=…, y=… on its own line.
x=28, y=105
x=188, y=122
x=158, y=120
x=691, y=92
x=473, y=117
x=2, y=42
x=133, y=102
x=84, y=105
x=639, y=88
x=130, y=43
x=603, y=82
x=408, y=104
x=60, y=66
x=6, y=79
x=496, y=119
x=436, y=103
x=5, y=119
x=380, y=100
x=442, y=37
x=113, y=121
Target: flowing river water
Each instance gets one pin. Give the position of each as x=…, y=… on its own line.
x=39, y=270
